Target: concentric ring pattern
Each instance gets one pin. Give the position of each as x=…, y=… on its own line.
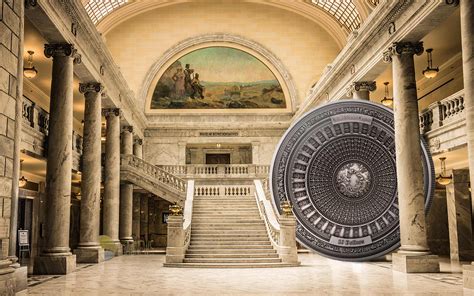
x=336, y=165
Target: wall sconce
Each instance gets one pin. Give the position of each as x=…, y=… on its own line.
x=430, y=72
x=30, y=71
x=442, y=178
x=387, y=100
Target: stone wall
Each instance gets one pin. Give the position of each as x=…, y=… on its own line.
x=9, y=44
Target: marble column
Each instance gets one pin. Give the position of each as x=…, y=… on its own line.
x=414, y=254
x=89, y=249
x=126, y=192
x=111, y=203
x=459, y=216
x=138, y=148
x=56, y=257
x=467, y=39
x=361, y=89
x=136, y=216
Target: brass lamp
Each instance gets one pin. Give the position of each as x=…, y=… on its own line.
x=286, y=208
x=30, y=71
x=430, y=71
x=443, y=178
x=387, y=100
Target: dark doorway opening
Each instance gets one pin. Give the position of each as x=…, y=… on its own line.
x=220, y=158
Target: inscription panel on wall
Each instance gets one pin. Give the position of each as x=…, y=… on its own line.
x=336, y=166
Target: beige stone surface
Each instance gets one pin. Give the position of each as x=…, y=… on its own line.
x=144, y=275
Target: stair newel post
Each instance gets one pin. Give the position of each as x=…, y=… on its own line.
x=287, y=243
x=175, y=249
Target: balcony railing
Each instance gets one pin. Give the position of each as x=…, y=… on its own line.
x=250, y=171
x=443, y=112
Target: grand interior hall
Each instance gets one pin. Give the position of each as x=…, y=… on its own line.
x=236, y=147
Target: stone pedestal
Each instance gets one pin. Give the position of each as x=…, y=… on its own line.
x=89, y=250
x=7, y=278
x=21, y=278
x=415, y=263
x=56, y=257
x=126, y=193
x=54, y=264
x=111, y=201
x=287, y=245
x=414, y=254
x=460, y=217
x=175, y=249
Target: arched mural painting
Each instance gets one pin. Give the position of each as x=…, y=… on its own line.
x=218, y=77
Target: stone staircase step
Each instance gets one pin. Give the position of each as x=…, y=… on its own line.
x=232, y=260
x=230, y=236
x=242, y=247
x=231, y=251
x=229, y=265
x=226, y=221
x=229, y=242
x=248, y=255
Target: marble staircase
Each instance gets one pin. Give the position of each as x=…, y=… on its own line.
x=228, y=232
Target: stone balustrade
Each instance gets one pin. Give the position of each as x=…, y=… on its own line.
x=223, y=190
x=152, y=178
x=195, y=171
x=443, y=112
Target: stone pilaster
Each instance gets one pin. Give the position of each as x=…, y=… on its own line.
x=361, y=89
x=111, y=203
x=89, y=249
x=459, y=217
x=136, y=216
x=126, y=192
x=56, y=257
x=467, y=39
x=414, y=254
x=138, y=148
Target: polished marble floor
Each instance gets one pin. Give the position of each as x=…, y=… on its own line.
x=144, y=275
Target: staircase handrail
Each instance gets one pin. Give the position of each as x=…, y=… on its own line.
x=267, y=213
x=157, y=173
x=188, y=213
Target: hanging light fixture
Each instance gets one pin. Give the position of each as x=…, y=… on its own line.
x=30, y=71
x=442, y=178
x=430, y=72
x=387, y=101
x=23, y=181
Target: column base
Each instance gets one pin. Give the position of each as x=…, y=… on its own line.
x=62, y=264
x=127, y=245
x=412, y=263
x=89, y=255
x=7, y=278
x=21, y=278
x=468, y=276
x=114, y=246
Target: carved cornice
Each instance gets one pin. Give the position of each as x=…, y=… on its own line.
x=403, y=48
x=90, y=87
x=111, y=111
x=62, y=49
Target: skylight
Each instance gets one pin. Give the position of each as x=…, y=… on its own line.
x=344, y=11
x=98, y=9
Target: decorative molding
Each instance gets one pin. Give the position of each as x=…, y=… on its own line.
x=402, y=48
x=90, y=87
x=252, y=46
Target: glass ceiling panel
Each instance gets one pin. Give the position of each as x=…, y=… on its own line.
x=344, y=11
x=98, y=9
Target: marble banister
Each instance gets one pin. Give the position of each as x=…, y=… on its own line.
x=223, y=190
x=152, y=178
x=281, y=229
x=198, y=171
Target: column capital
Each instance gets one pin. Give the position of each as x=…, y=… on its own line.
x=62, y=49
x=363, y=86
x=111, y=111
x=402, y=48
x=138, y=142
x=90, y=87
x=127, y=128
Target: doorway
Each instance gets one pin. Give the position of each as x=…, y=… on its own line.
x=218, y=158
